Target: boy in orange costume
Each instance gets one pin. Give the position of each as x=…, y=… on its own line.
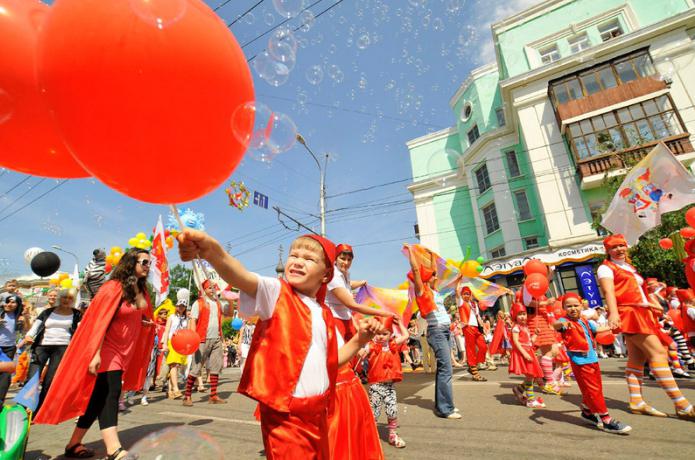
x=293, y=361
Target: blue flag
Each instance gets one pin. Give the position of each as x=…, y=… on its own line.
x=29, y=395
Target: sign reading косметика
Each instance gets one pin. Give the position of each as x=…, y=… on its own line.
x=560, y=256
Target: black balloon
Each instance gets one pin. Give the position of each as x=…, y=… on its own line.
x=45, y=263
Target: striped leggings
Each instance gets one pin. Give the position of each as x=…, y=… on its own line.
x=682, y=344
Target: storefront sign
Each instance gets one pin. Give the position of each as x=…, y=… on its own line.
x=588, y=285
x=558, y=257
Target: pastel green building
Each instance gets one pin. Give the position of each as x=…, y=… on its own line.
x=521, y=172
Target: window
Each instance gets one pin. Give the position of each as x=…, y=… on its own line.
x=579, y=42
x=610, y=29
x=513, y=164
x=531, y=242
x=609, y=75
x=500, y=117
x=596, y=210
x=522, y=205
x=549, y=54
x=627, y=127
x=490, y=216
x=483, y=179
x=498, y=252
x=473, y=134
x=466, y=112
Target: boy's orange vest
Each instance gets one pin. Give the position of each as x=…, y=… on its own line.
x=279, y=348
x=201, y=326
x=627, y=291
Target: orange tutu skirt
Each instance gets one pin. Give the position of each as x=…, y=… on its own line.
x=352, y=433
x=519, y=366
x=538, y=324
x=637, y=320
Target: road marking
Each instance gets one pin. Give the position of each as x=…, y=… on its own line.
x=210, y=417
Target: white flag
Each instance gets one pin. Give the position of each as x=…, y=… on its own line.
x=658, y=184
x=160, y=266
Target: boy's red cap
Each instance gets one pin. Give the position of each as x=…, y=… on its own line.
x=342, y=247
x=614, y=240
x=466, y=290
x=330, y=253
x=650, y=280
x=516, y=309
x=571, y=295
x=387, y=322
x=206, y=283
x=685, y=295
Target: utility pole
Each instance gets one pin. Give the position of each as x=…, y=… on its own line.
x=322, y=182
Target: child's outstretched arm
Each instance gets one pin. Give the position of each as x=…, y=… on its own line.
x=403, y=333
x=415, y=267
x=368, y=327
x=193, y=243
x=346, y=299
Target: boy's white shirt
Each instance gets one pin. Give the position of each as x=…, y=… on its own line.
x=313, y=380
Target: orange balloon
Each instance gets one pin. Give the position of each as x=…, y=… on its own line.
x=690, y=216
x=146, y=85
x=666, y=243
x=687, y=232
x=535, y=266
x=536, y=284
x=29, y=139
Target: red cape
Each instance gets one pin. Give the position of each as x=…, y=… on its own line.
x=73, y=384
x=496, y=343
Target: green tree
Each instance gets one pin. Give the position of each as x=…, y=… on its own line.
x=227, y=331
x=179, y=276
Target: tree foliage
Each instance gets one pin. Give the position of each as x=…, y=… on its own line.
x=179, y=276
x=227, y=330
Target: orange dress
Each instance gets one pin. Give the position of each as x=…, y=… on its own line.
x=538, y=324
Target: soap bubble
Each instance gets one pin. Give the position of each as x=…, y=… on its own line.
x=307, y=19
x=159, y=13
x=266, y=133
x=438, y=24
x=454, y=6
x=269, y=19
x=314, y=74
x=288, y=8
x=363, y=41
x=272, y=71
x=249, y=18
x=176, y=443
x=282, y=46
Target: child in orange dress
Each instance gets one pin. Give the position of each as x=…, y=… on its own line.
x=385, y=370
x=523, y=360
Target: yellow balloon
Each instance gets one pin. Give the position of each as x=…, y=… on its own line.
x=403, y=285
x=132, y=242
x=66, y=283
x=62, y=276
x=116, y=249
x=469, y=268
x=141, y=236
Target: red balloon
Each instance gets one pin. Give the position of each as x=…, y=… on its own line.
x=665, y=243
x=535, y=266
x=605, y=337
x=146, y=87
x=687, y=232
x=536, y=284
x=690, y=216
x=185, y=341
x=29, y=139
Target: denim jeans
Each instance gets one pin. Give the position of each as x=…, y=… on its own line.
x=438, y=339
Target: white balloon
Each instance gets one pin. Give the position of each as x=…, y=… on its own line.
x=31, y=253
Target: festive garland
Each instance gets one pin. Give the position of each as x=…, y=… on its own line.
x=238, y=195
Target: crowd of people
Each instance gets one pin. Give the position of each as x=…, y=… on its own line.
x=91, y=361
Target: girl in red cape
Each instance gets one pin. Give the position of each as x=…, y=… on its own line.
x=112, y=345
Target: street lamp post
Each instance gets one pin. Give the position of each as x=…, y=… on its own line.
x=322, y=185
x=55, y=246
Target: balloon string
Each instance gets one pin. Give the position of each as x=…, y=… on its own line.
x=175, y=211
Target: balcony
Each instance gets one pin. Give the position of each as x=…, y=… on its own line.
x=678, y=144
x=609, y=97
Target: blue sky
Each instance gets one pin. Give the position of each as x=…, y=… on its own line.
x=401, y=60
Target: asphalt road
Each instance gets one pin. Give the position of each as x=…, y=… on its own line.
x=494, y=424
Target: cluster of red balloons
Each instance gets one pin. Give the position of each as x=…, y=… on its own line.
x=685, y=232
x=536, y=277
x=122, y=91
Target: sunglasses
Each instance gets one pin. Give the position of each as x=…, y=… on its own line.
x=144, y=262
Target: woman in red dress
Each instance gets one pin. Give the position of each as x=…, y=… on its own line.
x=633, y=311
x=108, y=353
